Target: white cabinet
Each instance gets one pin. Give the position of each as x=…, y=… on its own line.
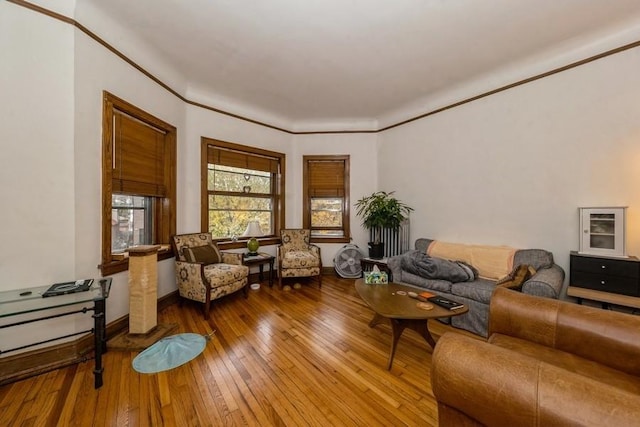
x=602, y=231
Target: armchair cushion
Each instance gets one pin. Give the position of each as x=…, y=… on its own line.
x=300, y=259
x=206, y=254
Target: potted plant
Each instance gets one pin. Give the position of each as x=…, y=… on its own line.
x=381, y=210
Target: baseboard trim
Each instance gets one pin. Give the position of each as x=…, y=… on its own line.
x=40, y=361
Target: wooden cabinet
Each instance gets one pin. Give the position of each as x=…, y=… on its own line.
x=605, y=274
x=602, y=231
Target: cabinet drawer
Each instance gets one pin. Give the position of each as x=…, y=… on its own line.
x=605, y=283
x=612, y=267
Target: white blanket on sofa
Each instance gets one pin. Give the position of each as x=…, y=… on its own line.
x=492, y=262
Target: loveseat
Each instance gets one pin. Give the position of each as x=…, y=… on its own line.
x=546, y=363
x=491, y=264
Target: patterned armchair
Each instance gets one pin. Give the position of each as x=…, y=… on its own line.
x=204, y=273
x=297, y=257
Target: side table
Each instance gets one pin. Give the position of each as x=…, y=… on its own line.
x=609, y=280
x=30, y=300
x=260, y=260
x=368, y=263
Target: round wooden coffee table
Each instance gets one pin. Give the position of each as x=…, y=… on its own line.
x=401, y=310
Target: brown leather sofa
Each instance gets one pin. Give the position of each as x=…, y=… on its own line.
x=546, y=363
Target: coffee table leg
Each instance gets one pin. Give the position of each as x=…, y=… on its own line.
x=399, y=325
x=376, y=319
x=421, y=327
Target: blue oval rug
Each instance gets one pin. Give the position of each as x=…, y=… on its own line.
x=169, y=353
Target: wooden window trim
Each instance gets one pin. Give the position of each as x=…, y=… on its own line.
x=165, y=208
x=279, y=199
x=306, y=198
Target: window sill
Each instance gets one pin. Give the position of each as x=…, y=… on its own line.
x=118, y=266
x=330, y=240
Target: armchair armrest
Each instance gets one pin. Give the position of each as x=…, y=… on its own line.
x=315, y=249
x=547, y=282
x=607, y=337
x=476, y=381
x=231, y=257
x=190, y=276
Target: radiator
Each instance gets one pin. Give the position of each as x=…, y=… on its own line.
x=396, y=242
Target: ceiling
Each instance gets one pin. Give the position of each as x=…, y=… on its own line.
x=364, y=63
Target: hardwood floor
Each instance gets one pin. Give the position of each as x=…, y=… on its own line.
x=304, y=357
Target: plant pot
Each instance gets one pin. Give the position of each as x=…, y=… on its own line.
x=376, y=250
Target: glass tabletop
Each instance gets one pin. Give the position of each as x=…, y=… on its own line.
x=20, y=301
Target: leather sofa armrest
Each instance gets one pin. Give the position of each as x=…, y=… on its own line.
x=523, y=316
x=497, y=387
x=547, y=282
x=603, y=336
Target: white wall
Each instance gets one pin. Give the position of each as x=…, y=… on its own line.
x=36, y=136
x=514, y=167
x=37, y=163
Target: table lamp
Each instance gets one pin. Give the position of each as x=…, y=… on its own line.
x=253, y=230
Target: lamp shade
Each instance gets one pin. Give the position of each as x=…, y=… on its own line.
x=253, y=230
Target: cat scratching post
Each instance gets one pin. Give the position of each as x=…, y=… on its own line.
x=143, y=289
x=144, y=329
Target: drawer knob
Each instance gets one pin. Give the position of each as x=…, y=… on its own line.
x=602, y=282
x=604, y=266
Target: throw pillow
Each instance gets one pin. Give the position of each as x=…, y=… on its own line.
x=206, y=254
x=516, y=278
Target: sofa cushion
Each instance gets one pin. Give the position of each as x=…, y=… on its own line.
x=421, y=282
x=537, y=258
x=205, y=254
x=569, y=362
x=479, y=290
x=516, y=278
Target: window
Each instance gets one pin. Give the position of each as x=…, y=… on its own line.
x=326, y=197
x=132, y=221
x=138, y=182
x=241, y=184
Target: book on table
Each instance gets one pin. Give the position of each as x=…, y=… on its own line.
x=424, y=296
x=64, y=288
x=445, y=302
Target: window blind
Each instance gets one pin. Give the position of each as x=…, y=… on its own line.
x=326, y=178
x=239, y=159
x=139, y=160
